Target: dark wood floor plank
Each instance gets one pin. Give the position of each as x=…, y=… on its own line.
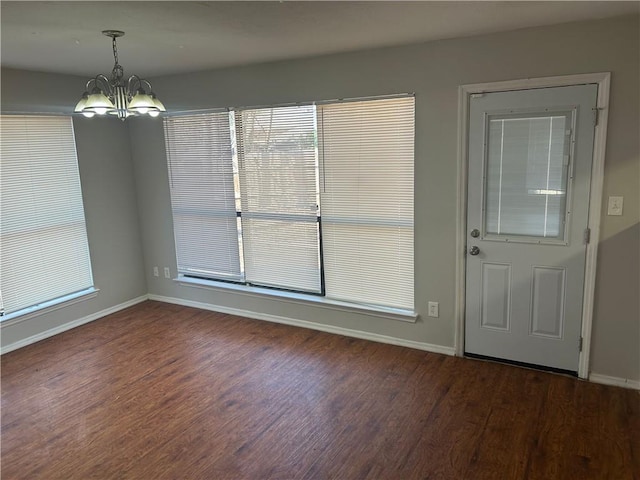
x=450, y=430
x=512, y=426
x=160, y=391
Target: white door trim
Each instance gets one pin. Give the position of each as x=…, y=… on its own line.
x=603, y=81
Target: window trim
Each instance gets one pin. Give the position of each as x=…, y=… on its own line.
x=180, y=113
x=48, y=306
x=309, y=299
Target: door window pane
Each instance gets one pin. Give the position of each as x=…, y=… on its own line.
x=526, y=175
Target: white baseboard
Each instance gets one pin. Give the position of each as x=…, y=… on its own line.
x=374, y=337
x=618, y=382
x=69, y=325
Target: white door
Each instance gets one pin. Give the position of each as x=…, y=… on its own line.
x=530, y=154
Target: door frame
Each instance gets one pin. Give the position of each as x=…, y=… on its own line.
x=603, y=80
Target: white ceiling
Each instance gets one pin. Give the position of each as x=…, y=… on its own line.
x=176, y=37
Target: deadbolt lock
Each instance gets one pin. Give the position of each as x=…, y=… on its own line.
x=475, y=233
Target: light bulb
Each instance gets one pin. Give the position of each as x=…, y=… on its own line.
x=100, y=110
x=154, y=113
x=142, y=110
x=88, y=114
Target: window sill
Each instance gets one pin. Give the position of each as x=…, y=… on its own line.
x=301, y=299
x=46, y=307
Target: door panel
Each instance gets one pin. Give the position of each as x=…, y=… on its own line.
x=547, y=313
x=496, y=294
x=530, y=154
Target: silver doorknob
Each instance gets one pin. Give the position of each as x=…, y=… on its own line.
x=474, y=250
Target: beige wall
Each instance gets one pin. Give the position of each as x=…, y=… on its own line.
x=433, y=71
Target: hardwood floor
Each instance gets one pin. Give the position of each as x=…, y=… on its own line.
x=159, y=391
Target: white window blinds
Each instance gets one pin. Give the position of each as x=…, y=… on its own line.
x=44, y=250
x=526, y=175
x=311, y=198
x=201, y=176
x=277, y=156
x=367, y=160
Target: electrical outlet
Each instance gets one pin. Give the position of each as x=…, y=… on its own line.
x=167, y=272
x=156, y=273
x=434, y=308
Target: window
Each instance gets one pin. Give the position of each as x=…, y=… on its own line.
x=526, y=195
x=313, y=198
x=277, y=155
x=203, y=177
x=367, y=200
x=45, y=255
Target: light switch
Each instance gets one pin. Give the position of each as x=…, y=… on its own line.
x=615, y=206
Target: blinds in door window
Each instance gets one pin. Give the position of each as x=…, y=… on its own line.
x=43, y=239
x=277, y=156
x=366, y=188
x=526, y=174
x=201, y=176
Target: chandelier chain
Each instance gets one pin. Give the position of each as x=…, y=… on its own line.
x=118, y=72
x=115, y=49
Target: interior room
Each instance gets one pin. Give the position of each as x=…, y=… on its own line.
x=305, y=253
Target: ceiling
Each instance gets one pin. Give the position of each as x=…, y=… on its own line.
x=177, y=37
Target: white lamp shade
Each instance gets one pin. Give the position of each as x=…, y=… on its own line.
x=81, y=104
x=98, y=103
x=141, y=103
x=158, y=104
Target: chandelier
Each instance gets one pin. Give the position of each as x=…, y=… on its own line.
x=117, y=96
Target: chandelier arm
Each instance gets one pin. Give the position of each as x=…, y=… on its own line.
x=131, y=84
x=102, y=82
x=135, y=80
x=88, y=85
x=142, y=80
